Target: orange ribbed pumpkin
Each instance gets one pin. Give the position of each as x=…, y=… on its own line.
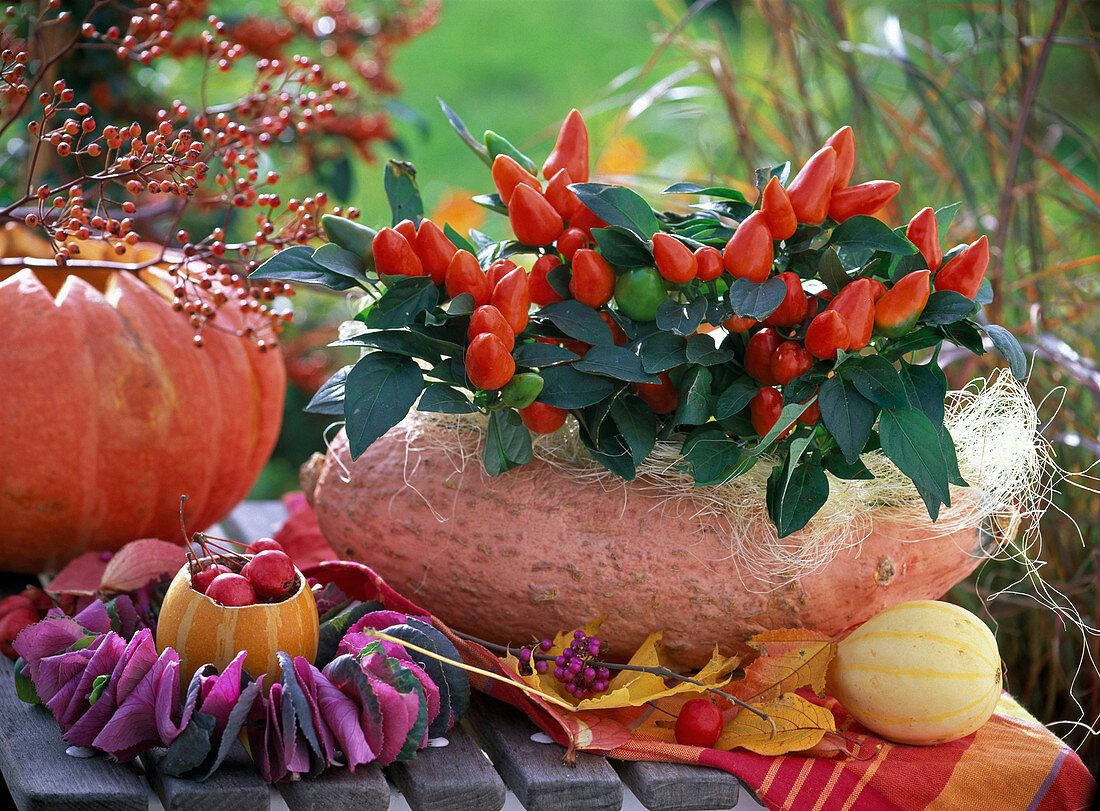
x=203, y=632
x=922, y=672
x=108, y=412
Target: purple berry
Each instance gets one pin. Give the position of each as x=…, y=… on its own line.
x=541, y=666
x=593, y=648
x=568, y=652
x=559, y=673
x=589, y=674
x=599, y=686
x=575, y=666
x=560, y=661
x=546, y=644
x=525, y=654
x=603, y=674
x=578, y=634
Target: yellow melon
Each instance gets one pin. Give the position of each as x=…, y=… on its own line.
x=202, y=631
x=922, y=672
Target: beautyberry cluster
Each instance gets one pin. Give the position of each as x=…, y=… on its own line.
x=577, y=667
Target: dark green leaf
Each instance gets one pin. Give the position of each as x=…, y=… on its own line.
x=914, y=341
x=329, y=399
x=506, y=444
x=702, y=350
x=710, y=191
x=558, y=278
x=458, y=240
x=610, y=449
x=617, y=205
x=637, y=424
x=336, y=175
x=566, y=387
x=296, y=264
x=592, y=417
x=403, y=342
x=576, y=320
x=910, y=441
x=694, y=394
x=926, y=388
x=681, y=319
x=966, y=335
x=712, y=456
x=876, y=379
x=617, y=362
x=947, y=445
x=491, y=202
x=756, y=300
x=795, y=494
x=406, y=298
x=847, y=415
x=735, y=397
x=402, y=192
x=835, y=463
x=831, y=271
x=536, y=355
x=349, y=234
x=622, y=247
x=1010, y=348
x=946, y=307
x=380, y=390
x=461, y=305
x=985, y=294
x=944, y=216
x=464, y=133
x=440, y=398
x=869, y=233
x=24, y=685
x=662, y=351
x=787, y=417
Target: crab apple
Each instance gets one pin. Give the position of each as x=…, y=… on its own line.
x=271, y=573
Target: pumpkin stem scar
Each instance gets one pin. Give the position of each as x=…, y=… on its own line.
x=471, y=668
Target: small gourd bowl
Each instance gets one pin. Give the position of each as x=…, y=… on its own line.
x=202, y=631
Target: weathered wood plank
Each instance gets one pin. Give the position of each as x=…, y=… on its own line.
x=254, y=519
x=236, y=784
x=679, y=786
x=534, y=771
x=455, y=777
x=364, y=790
x=40, y=775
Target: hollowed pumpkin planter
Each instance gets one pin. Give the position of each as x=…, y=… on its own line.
x=521, y=556
x=110, y=413
x=204, y=632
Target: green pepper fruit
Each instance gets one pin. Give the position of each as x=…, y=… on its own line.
x=350, y=235
x=522, y=389
x=639, y=292
x=499, y=145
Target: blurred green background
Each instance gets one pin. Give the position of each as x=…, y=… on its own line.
x=992, y=105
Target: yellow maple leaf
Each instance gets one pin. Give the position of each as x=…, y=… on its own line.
x=789, y=658
x=793, y=724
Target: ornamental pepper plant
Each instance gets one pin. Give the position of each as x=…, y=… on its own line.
x=796, y=330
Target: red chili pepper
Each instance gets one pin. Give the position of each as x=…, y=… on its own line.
x=434, y=249
x=407, y=229
x=856, y=305
x=775, y=204
x=534, y=221
x=570, y=151
x=489, y=319
x=924, y=232
x=541, y=418
x=511, y=297
x=758, y=355
x=709, y=262
x=878, y=289
x=572, y=240
x=540, y=290
x=394, y=256
x=866, y=198
x=790, y=360
x=811, y=415
x=897, y=312
x=561, y=197
x=662, y=398
x=618, y=334
x=812, y=186
x=738, y=324
x=508, y=173
x=498, y=270
x=674, y=259
x=764, y=410
x=794, y=306
x=843, y=142
x=593, y=279
x=464, y=275
x=585, y=218
x=827, y=333
x=965, y=272
x=749, y=252
x=489, y=363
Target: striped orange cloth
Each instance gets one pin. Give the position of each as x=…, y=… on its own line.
x=1012, y=762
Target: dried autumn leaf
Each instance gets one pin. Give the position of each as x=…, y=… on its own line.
x=141, y=562
x=798, y=724
x=81, y=576
x=789, y=658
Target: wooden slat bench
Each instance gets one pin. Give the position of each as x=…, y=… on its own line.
x=493, y=760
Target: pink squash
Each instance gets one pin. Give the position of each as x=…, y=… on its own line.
x=110, y=414
x=518, y=557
